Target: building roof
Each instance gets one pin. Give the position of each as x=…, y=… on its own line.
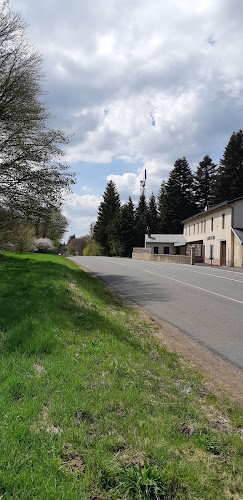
x=165, y=238
x=239, y=234
x=214, y=207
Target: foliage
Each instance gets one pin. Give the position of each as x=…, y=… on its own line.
x=179, y=197
x=229, y=180
x=92, y=247
x=162, y=209
x=76, y=246
x=127, y=228
x=32, y=176
x=17, y=236
x=108, y=214
x=51, y=223
x=143, y=482
x=141, y=220
x=43, y=245
x=152, y=214
x=204, y=183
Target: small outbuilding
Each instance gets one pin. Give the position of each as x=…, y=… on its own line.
x=166, y=244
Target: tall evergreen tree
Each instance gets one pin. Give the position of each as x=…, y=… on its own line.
x=141, y=220
x=204, y=180
x=229, y=181
x=108, y=214
x=152, y=214
x=162, y=224
x=179, y=201
x=127, y=228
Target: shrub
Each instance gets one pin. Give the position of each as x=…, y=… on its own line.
x=43, y=245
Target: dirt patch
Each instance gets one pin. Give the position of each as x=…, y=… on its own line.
x=72, y=461
x=39, y=369
x=44, y=422
x=131, y=460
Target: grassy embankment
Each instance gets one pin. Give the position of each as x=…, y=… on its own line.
x=88, y=396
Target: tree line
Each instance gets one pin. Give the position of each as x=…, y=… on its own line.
x=119, y=228
x=33, y=177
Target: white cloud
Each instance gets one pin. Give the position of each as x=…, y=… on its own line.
x=77, y=204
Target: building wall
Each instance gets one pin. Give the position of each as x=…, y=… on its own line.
x=176, y=259
x=238, y=252
x=238, y=214
x=172, y=249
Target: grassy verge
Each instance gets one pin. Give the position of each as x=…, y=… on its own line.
x=91, y=407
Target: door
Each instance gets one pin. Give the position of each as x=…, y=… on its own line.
x=223, y=253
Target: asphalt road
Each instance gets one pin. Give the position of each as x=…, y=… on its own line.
x=204, y=302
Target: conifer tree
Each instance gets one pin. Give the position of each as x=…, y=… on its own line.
x=152, y=214
x=127, y=228
x=229, y=181
x=141, y=220
x=108, y=215
x=179, y=201
x=162, y=210
x=204, y=182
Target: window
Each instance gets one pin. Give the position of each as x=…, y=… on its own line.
x=185, y=230
x=194, y=228
x=205, y=226
x=189, y=230
x=202, y=226
x=156, y=249
x=198, y=228
x=166, y=250
x=212, y=224
x=223, y=221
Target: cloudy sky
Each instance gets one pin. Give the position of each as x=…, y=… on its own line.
x=138, y=84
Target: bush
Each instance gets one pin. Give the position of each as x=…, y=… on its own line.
x=43, y=245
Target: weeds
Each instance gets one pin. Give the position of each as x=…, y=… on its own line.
x=143, y=482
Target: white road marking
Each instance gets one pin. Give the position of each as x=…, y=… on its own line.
x=113, y=261
x=208, y=274
x=194, y=286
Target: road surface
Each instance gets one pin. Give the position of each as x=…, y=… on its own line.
x=206, y=303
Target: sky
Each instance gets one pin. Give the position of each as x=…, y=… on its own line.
x=137, y=84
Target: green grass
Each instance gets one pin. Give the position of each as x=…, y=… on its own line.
x=91, y=407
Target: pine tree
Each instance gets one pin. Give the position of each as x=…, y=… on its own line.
x=127, y=228
x=204, y=180
x=179, y=201
x=229, y=181
x=141, y=220
x=162, y=209
x=152, y=214
x=108, y=212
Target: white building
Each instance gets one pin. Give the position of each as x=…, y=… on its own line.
x=216, y=235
